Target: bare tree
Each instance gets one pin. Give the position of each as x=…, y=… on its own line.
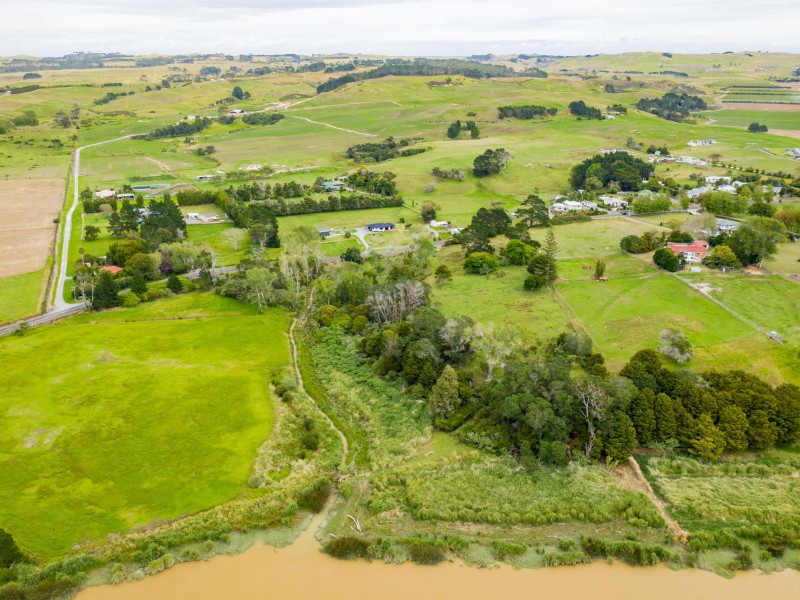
x=85, y=280
x=234, y=237
x=260, y=282
x=593, y=402
x=392, y=303
x=496, y=344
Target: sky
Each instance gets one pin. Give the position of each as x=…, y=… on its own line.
x=396, y=27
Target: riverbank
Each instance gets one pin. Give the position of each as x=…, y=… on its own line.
x=301, y=571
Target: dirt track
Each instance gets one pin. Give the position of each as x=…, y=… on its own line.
x=27, y=210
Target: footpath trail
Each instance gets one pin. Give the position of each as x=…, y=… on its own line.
x=335, y=127
x=299, y=377
x=678, y=532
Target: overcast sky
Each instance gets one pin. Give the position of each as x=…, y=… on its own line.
x=424, y=27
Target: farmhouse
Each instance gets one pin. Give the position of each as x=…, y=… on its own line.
x=691, y=253
x=436, y=223
x=726, y=226
x=112, y=268
x=125, y=196
x=699, y=191
x=572, y=205
x=237, y=111
x=613, y=202
x=103, y=194
x=558, y=207
x=205, y=177
x=717, y=179
x=332, y=186
x=589, y=205
x=731, y=189
x=373, y=227
x=702, y=142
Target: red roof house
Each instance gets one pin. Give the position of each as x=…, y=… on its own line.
x=691, y=253
x=113, y=268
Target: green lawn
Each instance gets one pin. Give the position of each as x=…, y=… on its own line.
x=498, y=298
x=593, y=238
x=214, y=236
x=786, y=261
x=117, y=419
x=772, y=303
x=627, y=314
x=336, y=247
x=18, y=295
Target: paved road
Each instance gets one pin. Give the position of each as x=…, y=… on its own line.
x=61, y=304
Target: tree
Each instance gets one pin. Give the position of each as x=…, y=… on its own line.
x=481, y=263
x=630, y=244
x=620, y=439
x=138, y=283
x=443, y=274
x=85, y=281
x=544, y=267
x=708, y=441
x=534, y=212
x=599, y=268
x=762, y=433
x=143, y=264
x=666, y=424
x=237, y=93
x=106, y=292
x=550, y=244
x=428, y=211
x=757, y=239
x=444, y=398
x=517, y=252
x=757, y=128
x=733, y=425
x=533, y=283
x=673, y=343
x=491, y=162
x=761, y=209
x=90, y=232
x=260, y=285
x=234, y=237
x=352, y=255
x=666, y=259
x=454, y=130
x=642, y=413
x=496, y=344
x=174, y=284
x=593, y=402
x=722, y=257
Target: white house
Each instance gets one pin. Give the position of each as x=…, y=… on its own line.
x=237, y=111
x=717, y=179
x=589, y=205
x=699, y=191
x=727, y=226
x=572, y=205
x=103, y=194
x=193, y=215
x=558, y=207
x=738, y=184
x=435, y=223
x=731, y=189
x=205, y=177
x=125, y=196
x=702, y=142
x=372, y=227
x=615, y=203
x=691, y=160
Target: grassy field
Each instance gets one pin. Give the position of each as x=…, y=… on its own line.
x=170, y=396
x=18, y=295
x=771, y=303
x=625, y=315
x=598, y=237
x=786, y=261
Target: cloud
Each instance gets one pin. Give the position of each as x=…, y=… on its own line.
x=434, y=27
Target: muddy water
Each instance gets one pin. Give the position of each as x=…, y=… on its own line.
x=302, y=572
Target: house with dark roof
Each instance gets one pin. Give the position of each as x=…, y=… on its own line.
x=373, y=227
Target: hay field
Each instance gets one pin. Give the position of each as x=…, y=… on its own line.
x=27, y=210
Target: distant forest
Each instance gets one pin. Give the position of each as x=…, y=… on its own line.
x=429, y=67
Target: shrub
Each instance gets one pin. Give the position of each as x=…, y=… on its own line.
x=481, y=263
x=666, y=259
x=130, y=299
x=314, y=496
x=533, y=283
x=505, y=550
x=175, y=284
x=426, y=552
x=347, y=547
x=9, y=553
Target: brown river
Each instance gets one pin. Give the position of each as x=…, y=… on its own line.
x=301, y=572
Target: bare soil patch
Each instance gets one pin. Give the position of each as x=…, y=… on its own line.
x=27, y=210
x=792, y=133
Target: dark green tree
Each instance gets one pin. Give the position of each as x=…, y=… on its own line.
x=352, y=255
x=106, y=292
x=534, y=212
x=620, y=439
x=174, y=284
x=138, y=283
x=642, y=414
x=733, y=425
x=237, y=93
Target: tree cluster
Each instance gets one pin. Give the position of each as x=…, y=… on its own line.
x=491, y=162
x=526, y=111
x=602, y=169
x=580, y=109
x=180, y=129
x=647, y=242
x=261, y=118
x=672, y=106
x=377, y=151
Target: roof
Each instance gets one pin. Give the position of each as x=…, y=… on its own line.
x=323, y=229
x=380, y=225
x=697, y=247
x=113, y=268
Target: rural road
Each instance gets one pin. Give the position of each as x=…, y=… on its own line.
x=335, y=127
x=61, y=305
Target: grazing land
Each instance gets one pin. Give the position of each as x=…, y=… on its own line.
x=18, y=295
x=172, y=397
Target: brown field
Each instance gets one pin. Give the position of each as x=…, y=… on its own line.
x=27, y=210
x=762, y=106
x=793, y=133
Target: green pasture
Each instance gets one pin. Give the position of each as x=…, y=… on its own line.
x=774, y=118
x=19, y=295
x=786, y=261
x=598, y=237
x=113, y=421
